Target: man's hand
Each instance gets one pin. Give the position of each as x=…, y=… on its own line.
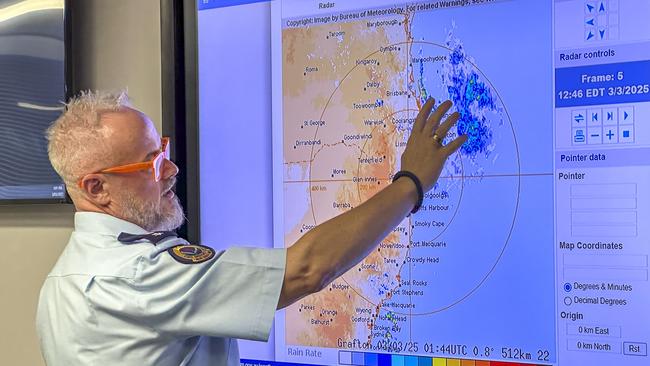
x=424, y=155
x=333, y=247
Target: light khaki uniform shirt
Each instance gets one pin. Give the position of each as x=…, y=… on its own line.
x=108, y=302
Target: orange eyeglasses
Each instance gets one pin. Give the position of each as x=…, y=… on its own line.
x=155, y=164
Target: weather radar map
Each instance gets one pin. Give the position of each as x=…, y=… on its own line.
x=352, y=84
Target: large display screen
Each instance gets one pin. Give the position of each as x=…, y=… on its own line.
x=530, y=249
x=32, y=92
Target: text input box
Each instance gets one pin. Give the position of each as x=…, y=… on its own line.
x=604, y=231
x=603, y=218
x=614, y=260
x=603, y=203
x=601, y=274
x=604, y=190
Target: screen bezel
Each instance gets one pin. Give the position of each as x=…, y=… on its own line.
x=179, y=80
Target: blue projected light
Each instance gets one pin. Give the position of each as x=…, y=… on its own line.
x=214, y=4
x=532, y=235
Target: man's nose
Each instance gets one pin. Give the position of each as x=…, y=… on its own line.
x=169, y=169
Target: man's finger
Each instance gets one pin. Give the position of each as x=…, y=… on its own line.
x=451, y=147
x=421, y=119
x=434, y=119
x=446, y=126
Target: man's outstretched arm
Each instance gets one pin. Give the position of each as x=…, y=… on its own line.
x=333, y=247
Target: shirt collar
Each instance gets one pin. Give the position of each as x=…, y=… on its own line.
x=101, y=223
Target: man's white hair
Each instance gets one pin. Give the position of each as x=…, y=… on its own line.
x=77, y=139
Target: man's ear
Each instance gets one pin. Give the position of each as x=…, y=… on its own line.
x=95, y=187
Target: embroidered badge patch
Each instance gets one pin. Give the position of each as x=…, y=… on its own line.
x=191, y=254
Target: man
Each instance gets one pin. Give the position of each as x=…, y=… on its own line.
x=126, y=291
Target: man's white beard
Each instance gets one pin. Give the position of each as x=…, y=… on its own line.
x=152, y=217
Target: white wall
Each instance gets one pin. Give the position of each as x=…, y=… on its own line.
x=117, y=46
x=119, y=42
